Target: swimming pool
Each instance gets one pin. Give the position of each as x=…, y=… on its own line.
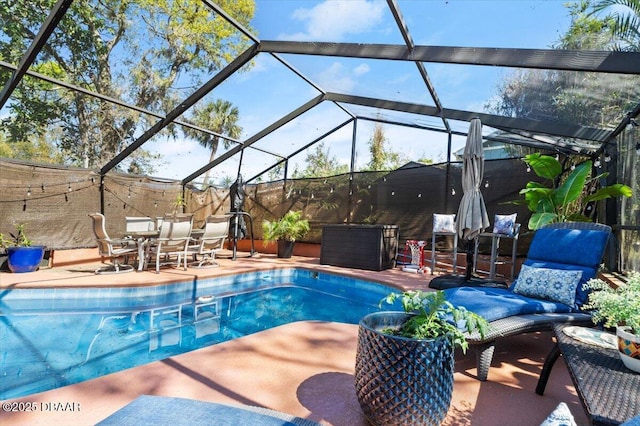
x=56, y=337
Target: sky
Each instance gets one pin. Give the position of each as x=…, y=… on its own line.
x=269, y=91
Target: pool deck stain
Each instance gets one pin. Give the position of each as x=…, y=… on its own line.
x=305, y=368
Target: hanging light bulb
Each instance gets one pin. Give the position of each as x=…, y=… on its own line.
x=331, y=190
x=420, y=195
x=453, y=191
x=312, y=195
x=607, y=157
x=573, y=167
x=486, y=183
x=597, y=163
x=69, y=187
x=29, y=191
x=528, y=168
x=155, y=204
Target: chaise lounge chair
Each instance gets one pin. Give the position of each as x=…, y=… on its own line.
x=561, y=258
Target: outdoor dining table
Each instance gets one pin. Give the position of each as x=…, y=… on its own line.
x=143, y=238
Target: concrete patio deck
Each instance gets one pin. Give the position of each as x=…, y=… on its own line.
x=304, y=369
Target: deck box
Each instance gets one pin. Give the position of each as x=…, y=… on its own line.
x=371, y=247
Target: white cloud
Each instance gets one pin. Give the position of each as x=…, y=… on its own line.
x=361, y=69
x=335, y=79
x=333, y=20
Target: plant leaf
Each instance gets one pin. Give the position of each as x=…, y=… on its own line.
x=615, y=190
x=544, y=166
x=538, y=220
x=572, y=187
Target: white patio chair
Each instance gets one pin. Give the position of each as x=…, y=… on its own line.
x=175, y=234
x=112, y=249
x=216, y=229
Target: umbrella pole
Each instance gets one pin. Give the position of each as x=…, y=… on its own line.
x=470, y=250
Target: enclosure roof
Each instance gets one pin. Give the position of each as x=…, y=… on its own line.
x=426, y=105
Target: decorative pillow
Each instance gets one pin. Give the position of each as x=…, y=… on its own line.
x=444, y=222
x=556, y=285
x=505, y=224
x=561, y=416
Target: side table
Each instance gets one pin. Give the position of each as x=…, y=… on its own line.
x=609, y=392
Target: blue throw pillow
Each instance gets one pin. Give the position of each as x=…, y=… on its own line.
x=550, y=284
x=505, y=224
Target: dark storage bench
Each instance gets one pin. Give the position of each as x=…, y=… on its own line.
x=372, y=247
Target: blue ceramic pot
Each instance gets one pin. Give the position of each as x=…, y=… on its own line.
x=24, y=259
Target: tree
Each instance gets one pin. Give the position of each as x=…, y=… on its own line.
x=623, y=21
x=571, y=97
x=220, y=117
x=381, y=157
x=143, y=52
x=320, y=164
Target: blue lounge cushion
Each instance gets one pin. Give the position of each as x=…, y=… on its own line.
x=569, y=249
x=497, y=303
x=558, y=285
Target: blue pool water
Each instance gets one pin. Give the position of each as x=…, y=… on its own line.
x=55, y=337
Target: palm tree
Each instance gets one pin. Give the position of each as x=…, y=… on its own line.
x=220, y=117
x=625, y=22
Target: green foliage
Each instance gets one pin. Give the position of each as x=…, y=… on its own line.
x=143, y=52
x=564, y=199
x=290, y=227
x=19, y=239
x=381, y=157
x=435, y=317
x=220, y=117
x=619, y=306
x=320, y=163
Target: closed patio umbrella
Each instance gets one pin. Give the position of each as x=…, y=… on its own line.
x=472, y=218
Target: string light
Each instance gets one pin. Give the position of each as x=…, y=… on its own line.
x=528, y=168
x=607, y=157
x=29, y=191
x=453, y=191
x=597, y=163
x=69, y=187
x=486, y=183
x=420, y=195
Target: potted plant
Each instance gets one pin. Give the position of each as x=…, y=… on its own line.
x=22, y=256
x=405, y=360
x=566, y=198
x=619, y=307
x=286, y=231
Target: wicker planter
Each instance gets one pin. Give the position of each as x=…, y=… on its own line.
x=629, y=347
x=401, y=381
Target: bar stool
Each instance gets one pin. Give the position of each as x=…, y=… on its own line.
x=444, y=225
x=493, y=261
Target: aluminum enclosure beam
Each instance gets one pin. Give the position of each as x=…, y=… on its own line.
x=568, y=60
x=55, y=15
x=225, y=73
x=551, y=128
x=255, y=138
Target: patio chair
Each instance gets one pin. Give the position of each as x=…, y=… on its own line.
x=444, y=225
x=216, y=229
x=112, y=249
x=174, y=238
x=568, y=254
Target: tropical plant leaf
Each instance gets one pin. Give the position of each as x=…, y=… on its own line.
x=572, y=187
x=615, y=190
x=544, y=166
x=538, y=220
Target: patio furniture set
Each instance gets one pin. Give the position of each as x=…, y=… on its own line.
x=161, y=241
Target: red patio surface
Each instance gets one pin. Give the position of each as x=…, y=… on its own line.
x=304, y=369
